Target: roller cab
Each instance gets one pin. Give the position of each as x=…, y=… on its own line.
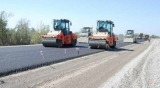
x=85, y=32
x=60, y=36
x=104, y=37
x=130, y=37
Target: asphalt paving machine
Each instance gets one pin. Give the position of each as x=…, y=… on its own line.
x=85, y=32
x=60, y=36
x=103, y=37
x=130, y=37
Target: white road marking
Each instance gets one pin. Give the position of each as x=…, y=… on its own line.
x=19, y=46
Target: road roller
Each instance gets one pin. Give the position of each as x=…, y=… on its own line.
x=61, y=35
x=84, y=33
x=130, y=36
x=146, y=36
x=103, y=37
x=141, y=35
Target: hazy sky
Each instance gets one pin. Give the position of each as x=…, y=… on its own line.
x=139, y=15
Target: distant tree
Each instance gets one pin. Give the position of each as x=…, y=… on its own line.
x=120, y=37
x=136, y=34
x=3, y=30
x=36, y=34
x=23, y=32
x=154, y=36
x=77, y=33
x=12, y=36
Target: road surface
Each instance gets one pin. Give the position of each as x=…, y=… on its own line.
x=20, y=58
x=84, y=72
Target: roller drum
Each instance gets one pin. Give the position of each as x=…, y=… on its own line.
x=49, y=42
x=83, y=40
x=97, y=44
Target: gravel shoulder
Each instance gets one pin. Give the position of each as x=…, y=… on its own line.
x=151, y=72
x=85, y=72
x=142, y=72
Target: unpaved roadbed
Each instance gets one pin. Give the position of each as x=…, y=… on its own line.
x=86, y=72
x=142, y=72
x=152, y=68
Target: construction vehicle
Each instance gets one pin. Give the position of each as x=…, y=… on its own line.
x=85, y=32
x=130, y=36
x=141, y=35
x=104, y=36
x=146, y=37
x=61, y=35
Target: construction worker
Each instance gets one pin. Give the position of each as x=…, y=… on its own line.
x=149, y=39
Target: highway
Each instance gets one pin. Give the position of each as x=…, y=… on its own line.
x=16, y=59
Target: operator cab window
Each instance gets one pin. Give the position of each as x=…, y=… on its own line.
x=67, y=27
x=129, y=32
x=63, y=27
x=56, y=24
x=85, y=30
x=102, y=26
x=109, y=27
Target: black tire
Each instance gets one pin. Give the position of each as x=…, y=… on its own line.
x=59, y=43
x=74, y=42
x=44, y=46
x=135, y=41
x=114, y=45
x=92, y=47
x=106, y=46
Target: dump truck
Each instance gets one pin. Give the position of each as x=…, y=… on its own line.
x=85, y=32
x=130, y=36
x=103, y=37
x=61, y=35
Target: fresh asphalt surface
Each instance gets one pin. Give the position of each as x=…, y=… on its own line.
x=14, y=59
